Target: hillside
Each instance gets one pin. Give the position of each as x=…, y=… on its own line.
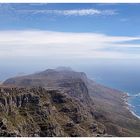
x=66, y=103
x=41, y=112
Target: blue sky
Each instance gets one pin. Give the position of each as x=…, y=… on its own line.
x=41, y=34
x=124, y=19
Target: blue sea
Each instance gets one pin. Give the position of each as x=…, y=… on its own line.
x=124, y=76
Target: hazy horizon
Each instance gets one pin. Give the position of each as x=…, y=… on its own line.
x=91, y=38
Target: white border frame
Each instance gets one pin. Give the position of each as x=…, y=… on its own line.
x=70, y=1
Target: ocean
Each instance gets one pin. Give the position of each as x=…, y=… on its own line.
x=121, y=76
x=126, y=79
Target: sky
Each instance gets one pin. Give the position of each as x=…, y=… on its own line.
x=59, y=34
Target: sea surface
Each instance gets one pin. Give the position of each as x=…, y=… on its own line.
x=126, y=79
x=121, y=76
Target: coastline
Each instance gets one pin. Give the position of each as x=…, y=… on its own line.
x=128, y=105
x=125, y=98
x=134, y=114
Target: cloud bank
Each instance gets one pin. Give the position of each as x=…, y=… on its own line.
x=64, y=45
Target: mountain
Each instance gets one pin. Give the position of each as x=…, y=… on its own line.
x=55, y=79
x=62, y=102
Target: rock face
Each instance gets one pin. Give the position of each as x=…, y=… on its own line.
x=60, y=78
x=62, y=102
x=41, y=112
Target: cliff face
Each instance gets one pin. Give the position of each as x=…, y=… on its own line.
x=68, y=80
x=63, y=103
x=41, y=112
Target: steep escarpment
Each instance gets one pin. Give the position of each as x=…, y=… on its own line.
x=41, y=112
x=112, y=104
x=78, y=106
x=68, y=80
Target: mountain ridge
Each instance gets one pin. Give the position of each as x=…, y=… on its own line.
x=104, y=106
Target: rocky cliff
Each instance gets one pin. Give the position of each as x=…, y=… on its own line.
x=62, y=102
x=41, y=112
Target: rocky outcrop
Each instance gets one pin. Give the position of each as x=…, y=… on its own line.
x=41, y=112
x=60, y=78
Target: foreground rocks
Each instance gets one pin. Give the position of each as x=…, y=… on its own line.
x=41, y=112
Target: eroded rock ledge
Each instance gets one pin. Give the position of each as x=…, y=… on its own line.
x=41, y=112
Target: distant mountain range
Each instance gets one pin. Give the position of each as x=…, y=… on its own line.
x=62, y=102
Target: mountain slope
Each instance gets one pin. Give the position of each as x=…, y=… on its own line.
x=41, y=112
x=105, y=107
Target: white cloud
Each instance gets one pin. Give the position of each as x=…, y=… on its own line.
x=45, y=37
x=73, y=12
x=48, y=44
